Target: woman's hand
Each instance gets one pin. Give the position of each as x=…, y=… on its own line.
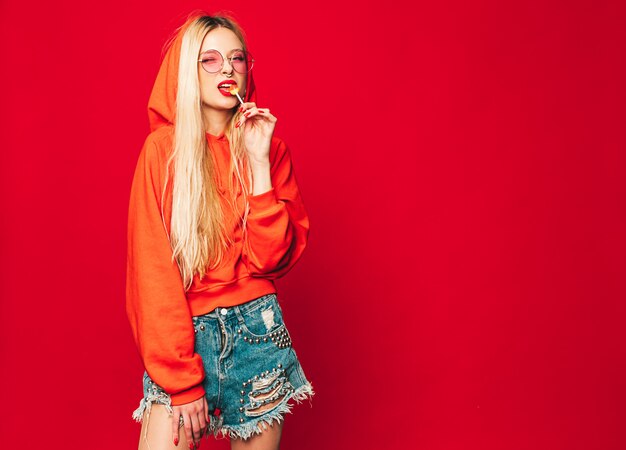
x=195, y=417
x=258, y=126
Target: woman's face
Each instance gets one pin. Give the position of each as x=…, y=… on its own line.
x=226, y=42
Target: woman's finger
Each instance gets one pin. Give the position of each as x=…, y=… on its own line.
x=188, y=429
x=206, y=411
x=246, y=106
x=245, y=114
x=266, y=113
x=175, y=423
x=196, y=429
x=202, y=421
x=263, y=112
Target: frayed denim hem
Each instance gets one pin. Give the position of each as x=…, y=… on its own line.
x=253, y=427
x=145, y=405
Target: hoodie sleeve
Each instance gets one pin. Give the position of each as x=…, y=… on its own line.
x=277, y=224
x=156, y=304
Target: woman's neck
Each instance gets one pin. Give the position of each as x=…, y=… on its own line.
x=216, y=120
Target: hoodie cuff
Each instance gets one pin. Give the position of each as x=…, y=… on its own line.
x=263, y=201
x=187, y=396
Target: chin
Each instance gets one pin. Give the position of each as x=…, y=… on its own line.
x=224, y=104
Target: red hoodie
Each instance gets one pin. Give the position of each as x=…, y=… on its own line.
x=158, y=307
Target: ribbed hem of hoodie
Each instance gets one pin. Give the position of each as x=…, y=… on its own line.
x=263, y=201
x=229, y=294
x=187, y=396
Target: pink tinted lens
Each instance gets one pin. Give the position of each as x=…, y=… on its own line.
x=240, y=62
x=211, y=61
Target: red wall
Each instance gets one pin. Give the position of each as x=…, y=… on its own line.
x=463, y=164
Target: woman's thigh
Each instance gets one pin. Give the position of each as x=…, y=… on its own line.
x=156, y=431
x=269, y=439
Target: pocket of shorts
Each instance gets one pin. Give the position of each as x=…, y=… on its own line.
x=265, y=319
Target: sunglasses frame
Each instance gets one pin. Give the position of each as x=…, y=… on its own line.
x=249, y=59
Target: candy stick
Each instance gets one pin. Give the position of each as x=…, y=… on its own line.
x=234, y=90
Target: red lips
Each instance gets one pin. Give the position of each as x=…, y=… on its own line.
x=231, y=82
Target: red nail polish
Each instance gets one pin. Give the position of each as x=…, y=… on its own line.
x=176, y=442
x=247, y=114
x=237, y=125
x=241, y=109
x=216, y=412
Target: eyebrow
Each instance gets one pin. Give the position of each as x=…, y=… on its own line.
x=230, y=51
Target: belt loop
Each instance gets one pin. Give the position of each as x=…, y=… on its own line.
x=239, y=315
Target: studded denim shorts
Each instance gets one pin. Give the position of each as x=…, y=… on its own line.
x=249, y=362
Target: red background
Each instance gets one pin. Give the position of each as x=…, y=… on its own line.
x=463, y=164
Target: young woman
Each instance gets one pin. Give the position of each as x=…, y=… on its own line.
x=215, y=216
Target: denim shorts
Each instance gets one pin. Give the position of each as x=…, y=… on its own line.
x=248, y=361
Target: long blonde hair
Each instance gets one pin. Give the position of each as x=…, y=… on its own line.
x=199, y=229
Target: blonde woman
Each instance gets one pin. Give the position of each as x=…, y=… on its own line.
x=215, y=216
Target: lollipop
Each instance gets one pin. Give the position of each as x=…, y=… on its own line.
x=234, y=90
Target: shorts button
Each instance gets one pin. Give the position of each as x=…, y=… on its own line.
x=224, y=311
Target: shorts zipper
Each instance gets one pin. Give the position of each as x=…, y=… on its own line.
x=223, y=336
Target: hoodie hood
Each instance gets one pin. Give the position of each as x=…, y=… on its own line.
x=162, y=102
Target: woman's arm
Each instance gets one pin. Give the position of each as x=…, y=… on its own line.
x=277, y=224
x=156, y=304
